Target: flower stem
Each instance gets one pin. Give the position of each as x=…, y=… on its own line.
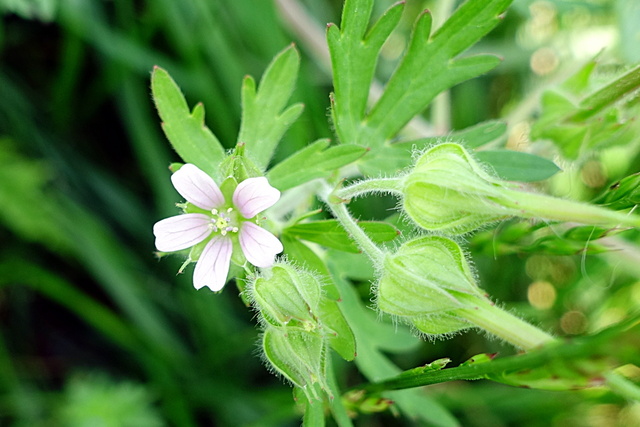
x=543, y=206
x=340, y=211
x=368, y=186
x=503, y=324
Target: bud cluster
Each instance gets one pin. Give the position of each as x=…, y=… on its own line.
x=300, y=323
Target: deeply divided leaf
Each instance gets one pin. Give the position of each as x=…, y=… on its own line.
x=428, y=67
x=265, y=115
x=186, y=131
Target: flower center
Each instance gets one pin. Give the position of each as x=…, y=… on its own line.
x=223, y=222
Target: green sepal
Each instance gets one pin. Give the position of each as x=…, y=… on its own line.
x=440, y=324
x=449, y=191
x=298, y=252
x=227, y=189
x=239, y=166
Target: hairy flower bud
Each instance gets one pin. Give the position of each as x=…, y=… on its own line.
x=286, y=294
x=299, y=356
x=300, y=322
x=425, y=277
x=425, y=282
x=449, y=191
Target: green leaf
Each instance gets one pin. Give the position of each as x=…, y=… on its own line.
x=317, y=160
x=411, y=88
x=623, y=194
x=588, y=233
x=264, y=116
x=341, y=337
x=609, y=94
x=594, y=122
x=331, y=234
x=560, y=365
x=353, y=58
x=186, y=131
x=386, y=160
x=471, y=137
x=518, y=166
x=353, y=266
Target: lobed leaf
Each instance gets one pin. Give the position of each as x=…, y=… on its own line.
x=428, y=67
x=353, y=59
x=265, y=115
x=186, y=131
x=317, y=160
x=471, y=137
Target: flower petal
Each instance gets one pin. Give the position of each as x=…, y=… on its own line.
x=197, y=187
x=181, y=231
x=213, y=266
x=254, y=195
x=258, y=245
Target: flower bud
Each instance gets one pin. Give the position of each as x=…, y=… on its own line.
x=425, y=282
x=300, y=322
x=299, y=356
x=449, y=191
x=286, y=294
x=425, y=277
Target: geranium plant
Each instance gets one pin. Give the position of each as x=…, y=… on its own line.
x=296, y=266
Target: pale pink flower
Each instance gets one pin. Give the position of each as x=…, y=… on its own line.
x=225, y=223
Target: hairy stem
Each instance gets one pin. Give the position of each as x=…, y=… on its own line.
x=340, y=211
x=377, y=185
x=504, y=325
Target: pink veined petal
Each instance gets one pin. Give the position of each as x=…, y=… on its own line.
x=180, y=232
x=254, y=195
x=258, y=245
x=197, y=187
x=213, y=266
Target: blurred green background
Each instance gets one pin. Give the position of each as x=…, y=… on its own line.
x=97, y=332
